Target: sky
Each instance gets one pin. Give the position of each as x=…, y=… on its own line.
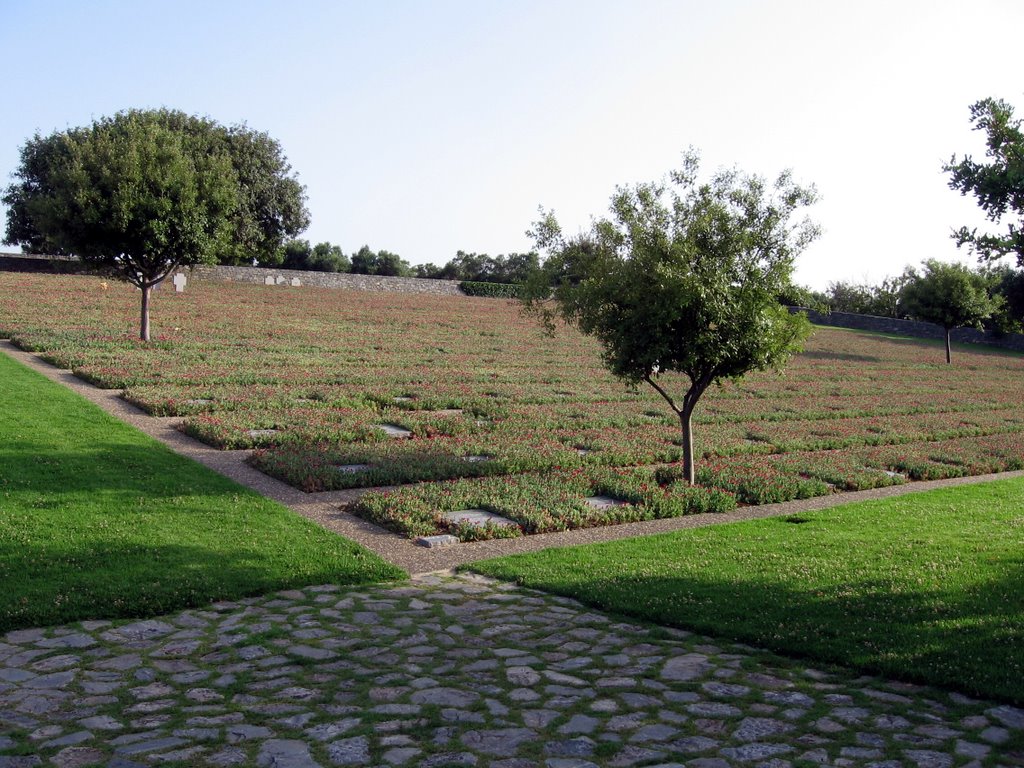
x=429, y=127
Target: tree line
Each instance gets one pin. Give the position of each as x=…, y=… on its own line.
x=1000, y=286
x=514, y=268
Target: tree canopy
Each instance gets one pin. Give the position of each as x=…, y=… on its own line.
x=269, y=203
x=950, y=295
x=998, y=185
x=130, y=194
x=683, y=277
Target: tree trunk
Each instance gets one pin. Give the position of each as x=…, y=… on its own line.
x=147, y=291
x=685, y=424
x=948, y=359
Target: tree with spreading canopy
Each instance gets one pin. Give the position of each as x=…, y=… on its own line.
x=145, y=192
x=997, y=185
x=950, y=295
x=683, y=277
x=129, y=195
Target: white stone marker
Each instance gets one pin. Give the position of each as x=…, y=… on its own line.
x=268, y=280
x=296, y=282
x=179, y=281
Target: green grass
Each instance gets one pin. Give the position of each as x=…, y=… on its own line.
x=98, y=520
x=926, y=587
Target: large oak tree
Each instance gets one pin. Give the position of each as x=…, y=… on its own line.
x=683, y=277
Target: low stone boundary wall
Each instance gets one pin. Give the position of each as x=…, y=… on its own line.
x=344, y=280
x=16, y=262
x=1014, y=341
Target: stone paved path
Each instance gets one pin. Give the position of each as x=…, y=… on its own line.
x=462, y=671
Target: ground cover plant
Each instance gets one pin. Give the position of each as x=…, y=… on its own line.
x=98, y=520
x=923, y=587
x=310, y=377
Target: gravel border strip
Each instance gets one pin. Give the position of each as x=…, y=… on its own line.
x=322, y=508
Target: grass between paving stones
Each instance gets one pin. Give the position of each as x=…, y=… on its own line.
x=98, y=520
x=926, y=587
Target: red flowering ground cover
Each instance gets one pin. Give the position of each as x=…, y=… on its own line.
x=500, y=416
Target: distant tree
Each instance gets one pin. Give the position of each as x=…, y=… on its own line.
x=269, y=201
x=881, y=300
x=850, y=297
x=950, y=295
x=998, y=185
x=684, y=277
x=367, y=262
x=364, y=261
x=129, y=194
x=296, y=254
x=430, y=271
x=392, y=264
x=326, y=257
x=1006, y=287
x=801, y=296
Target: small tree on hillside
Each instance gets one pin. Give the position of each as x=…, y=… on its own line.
x=684, y=277
x=950, y=295
x=130, y=196
x=997, y=185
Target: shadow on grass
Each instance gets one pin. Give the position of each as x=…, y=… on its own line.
x=30, y=467
x=53, y=584
x=968, y=640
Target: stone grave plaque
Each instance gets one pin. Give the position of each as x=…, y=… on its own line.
x=296, y=282
x=475, y=517
x=268, y=280
x=475, y=458
x=603, y=502
x=179, y=281
x=441, y=540
x=258, y=433
x=393, y=430
x=349, y=469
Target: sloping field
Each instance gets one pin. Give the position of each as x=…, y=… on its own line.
x=496, y=416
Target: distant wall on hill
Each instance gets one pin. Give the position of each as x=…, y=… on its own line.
x=344, y=280
x=16, y=262
x=1014, y=341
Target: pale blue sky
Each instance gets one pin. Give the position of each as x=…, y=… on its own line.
x=429, y=127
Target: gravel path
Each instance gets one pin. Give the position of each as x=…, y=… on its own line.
x=461, y=671
x=327, y=508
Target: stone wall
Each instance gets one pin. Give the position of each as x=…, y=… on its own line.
x=16, y=262
x=1014, y=341
x=259, y=275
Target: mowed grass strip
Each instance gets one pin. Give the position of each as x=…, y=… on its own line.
x=97, y=520
x=926, y=587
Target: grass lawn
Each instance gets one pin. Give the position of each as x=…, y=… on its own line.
x=98, y=520
x=926, y=587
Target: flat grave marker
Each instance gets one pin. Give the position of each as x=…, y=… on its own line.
x=475, y=516
x=349, y=469
x=603, y=502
